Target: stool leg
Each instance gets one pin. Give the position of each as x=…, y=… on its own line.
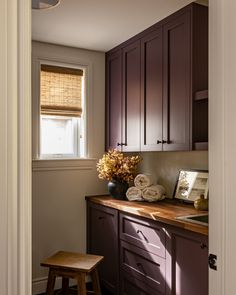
x=65, y=286
x=51, y=282
x=95, y=280
x=81, y=284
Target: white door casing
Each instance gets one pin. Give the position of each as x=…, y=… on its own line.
x=222, y=155
x=15, y=147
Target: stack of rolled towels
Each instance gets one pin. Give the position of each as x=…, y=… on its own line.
x=144, y=189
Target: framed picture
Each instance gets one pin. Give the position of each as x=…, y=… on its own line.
x=191, y=184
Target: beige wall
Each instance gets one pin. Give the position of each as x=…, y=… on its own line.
x=165, y=165
x=59, y=187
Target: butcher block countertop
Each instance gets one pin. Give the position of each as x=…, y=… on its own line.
x=164, y=211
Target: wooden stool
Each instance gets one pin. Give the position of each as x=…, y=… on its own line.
x=72, y=265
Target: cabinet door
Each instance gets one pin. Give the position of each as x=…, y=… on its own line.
x=151, y=91
x=177, y=83
x=102, y=239
x=131, y=97
x=188, y=264
x=113, y=100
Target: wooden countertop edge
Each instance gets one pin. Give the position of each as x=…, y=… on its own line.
x=145, y=210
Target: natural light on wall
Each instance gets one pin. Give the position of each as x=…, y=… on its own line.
x=61, y=112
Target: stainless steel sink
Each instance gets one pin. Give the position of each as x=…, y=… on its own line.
x=201, y=219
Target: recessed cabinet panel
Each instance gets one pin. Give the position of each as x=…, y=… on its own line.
x=133, y=286
x=151, y=92
x=152, y=107
x=102, y=240
x=189, y=262
x=113, y=100
x=177, y=79
x=133, y=264
x=131, y=97
x=144, y=266
x=144, y=234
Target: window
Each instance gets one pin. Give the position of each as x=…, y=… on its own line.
x=61, y=112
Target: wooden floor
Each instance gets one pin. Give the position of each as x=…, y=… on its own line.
x=73, y=291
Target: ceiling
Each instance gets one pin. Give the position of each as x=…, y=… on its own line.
x=99, y=24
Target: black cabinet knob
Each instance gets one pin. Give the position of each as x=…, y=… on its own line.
x=121, y=144
x=101, y=217
x=159, y=141
x=203, y=246
x=166, y=141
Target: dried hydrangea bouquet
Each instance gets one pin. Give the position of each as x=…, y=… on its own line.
x=119, y=170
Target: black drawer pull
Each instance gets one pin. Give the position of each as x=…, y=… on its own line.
x=140, y=232
x=166, y=141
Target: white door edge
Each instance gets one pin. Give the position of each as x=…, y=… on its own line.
x=15, y=147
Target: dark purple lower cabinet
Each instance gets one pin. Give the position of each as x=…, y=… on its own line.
x=187, y=263
x=176, y=265
x=102, y=239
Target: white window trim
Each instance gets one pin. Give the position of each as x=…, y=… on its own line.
x=66, y=61
x=64, y=164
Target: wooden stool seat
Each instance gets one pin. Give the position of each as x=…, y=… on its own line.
x=72, y=265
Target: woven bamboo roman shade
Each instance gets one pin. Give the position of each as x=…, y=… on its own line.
x=61, y=91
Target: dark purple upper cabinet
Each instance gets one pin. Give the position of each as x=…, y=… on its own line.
x=188, y=263
x=185, y=70
x=177, y=80
x=102, y=239
x=154, y=83
x=113, y=100
x=131, y=97
x=151, y=91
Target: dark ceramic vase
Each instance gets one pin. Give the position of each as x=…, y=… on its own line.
x=117, y=189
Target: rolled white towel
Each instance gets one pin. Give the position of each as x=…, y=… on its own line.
x=143, y=180
x=154, y=193
x=134, y=194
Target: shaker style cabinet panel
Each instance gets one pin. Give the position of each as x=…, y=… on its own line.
x=177, y=84
x=131, y=97
x=151, y=91
x=188, y=263
x=167, y=66
x=143, y=266
x=133, y=286
x=144, y=256
x=123, y=98
x=113, y=100
x=102, y=239
x=143, y=234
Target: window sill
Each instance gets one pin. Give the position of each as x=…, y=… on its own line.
x=64, y=164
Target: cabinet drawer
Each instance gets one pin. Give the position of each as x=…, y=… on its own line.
x=132, y=286
x=144, y=234
x=144, y=266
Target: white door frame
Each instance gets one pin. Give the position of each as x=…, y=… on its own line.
x=15, y=147
x=223, y=144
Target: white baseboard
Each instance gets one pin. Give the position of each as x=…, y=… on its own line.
x=39, y=285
